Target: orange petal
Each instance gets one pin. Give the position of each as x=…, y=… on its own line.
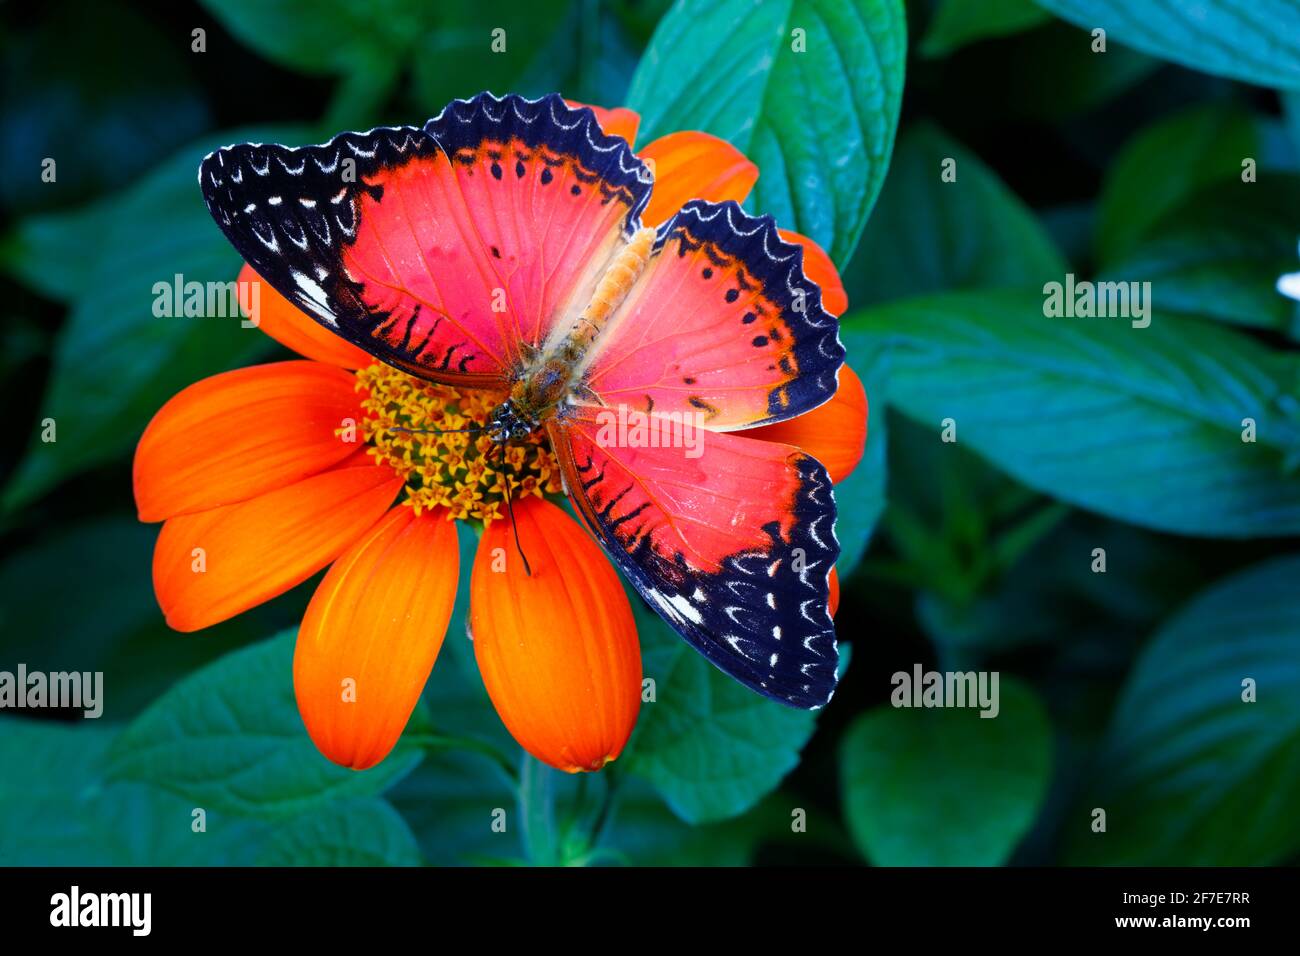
x=834, y=581
x=817, y=266
x=834, y=433
x=371, y=634
x=558, y=649
x=240, y=434
x=212, y=565
x=616, y=122
x=291, y=327
x=692, y=165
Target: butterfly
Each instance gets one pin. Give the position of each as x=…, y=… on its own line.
x=500, y=247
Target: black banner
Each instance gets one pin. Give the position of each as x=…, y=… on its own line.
x=215, y=905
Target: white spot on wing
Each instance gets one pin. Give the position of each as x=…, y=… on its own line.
x=317, y=301
x=685, y=608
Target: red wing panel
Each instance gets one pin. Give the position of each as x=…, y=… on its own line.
x=730, y=539
x=442, y=250
x=722, y=324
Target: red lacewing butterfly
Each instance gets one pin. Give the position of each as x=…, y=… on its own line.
x=500, y=247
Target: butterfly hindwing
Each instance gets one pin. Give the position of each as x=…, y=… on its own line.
x=722, y=324
x=730, y=539
x=446, y=250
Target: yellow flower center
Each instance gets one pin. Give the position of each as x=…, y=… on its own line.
x=417, y=429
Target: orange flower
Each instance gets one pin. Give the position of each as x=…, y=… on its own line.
x=569, y=688
x=835, y=433
x=266, y=475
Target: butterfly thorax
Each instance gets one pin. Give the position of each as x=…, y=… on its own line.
x=550, y=377
x=508, y=423
x=542, y=386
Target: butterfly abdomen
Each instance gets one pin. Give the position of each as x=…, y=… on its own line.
x=611, y=290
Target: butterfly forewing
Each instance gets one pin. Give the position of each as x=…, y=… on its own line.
x=444, y=250
x=722, y=324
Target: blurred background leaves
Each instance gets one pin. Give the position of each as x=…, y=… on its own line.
x=984, y=777
x=1248, y=40
x=1196, y=777
x=1121, y=688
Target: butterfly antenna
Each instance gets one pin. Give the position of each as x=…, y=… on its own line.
x=436, y=431
x=510, y=509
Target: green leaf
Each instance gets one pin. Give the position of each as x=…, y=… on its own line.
x=133, y=647
x=959, y=22
x=456, y=58
x=1141, y=424
x=344, y=833
x=593, y=53
x=1220, y=254
x=102, y=108
x=1165, y=164
x=860, y=498
x=945, y=786
x=452, y=801
x=711, y=746
x=46, y=813
x=48, y=252
x=55, y=757
x=1253, y=40
x=115, y=362
x=1190, y=774
x=123, y=824
x=815, y=110
x=229, y=738
x=928, y=235
x=60, y=813
x=982, y=551
x=645, y=832
x=327, y=36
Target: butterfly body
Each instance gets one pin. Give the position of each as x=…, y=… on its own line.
x=500, y=247
x=552, y=375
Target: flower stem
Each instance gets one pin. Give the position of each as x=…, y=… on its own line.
x=537, y=807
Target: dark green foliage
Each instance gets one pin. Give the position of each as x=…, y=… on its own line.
x=1069, y=501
